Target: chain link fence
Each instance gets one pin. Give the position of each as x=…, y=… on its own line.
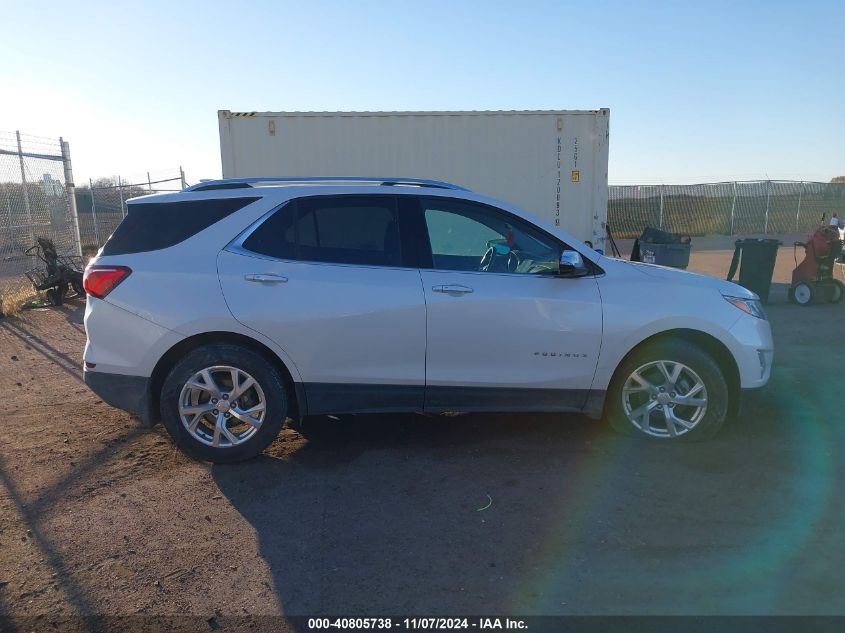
x=36, y=200
x=101, y=203
x=723, y=208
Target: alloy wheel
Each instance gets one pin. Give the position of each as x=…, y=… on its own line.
x=664, y=398
x=222, y=406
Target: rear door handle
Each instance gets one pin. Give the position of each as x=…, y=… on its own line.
x=452, y=289
x=267, y=278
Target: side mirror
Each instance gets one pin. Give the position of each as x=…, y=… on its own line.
x=572, y=264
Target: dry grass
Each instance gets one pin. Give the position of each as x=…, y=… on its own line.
x=12, y=301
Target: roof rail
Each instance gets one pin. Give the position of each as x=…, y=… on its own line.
x=239, y=183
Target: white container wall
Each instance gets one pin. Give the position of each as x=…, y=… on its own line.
x=551, y=163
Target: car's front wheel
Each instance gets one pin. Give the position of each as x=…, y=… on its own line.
x=223, y=403
x=669, y=390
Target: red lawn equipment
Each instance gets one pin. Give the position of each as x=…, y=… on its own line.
x=812, y=279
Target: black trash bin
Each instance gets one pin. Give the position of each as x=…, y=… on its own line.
x=661, y=247
x=755, y=259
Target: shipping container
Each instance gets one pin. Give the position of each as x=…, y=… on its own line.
x=551, y=163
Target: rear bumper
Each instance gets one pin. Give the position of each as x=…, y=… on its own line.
x=130, y=393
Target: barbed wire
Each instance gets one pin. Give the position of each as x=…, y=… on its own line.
x=127, y=185
x=29, y=143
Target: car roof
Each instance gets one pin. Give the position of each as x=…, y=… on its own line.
x=241, y=183
x=280, y=189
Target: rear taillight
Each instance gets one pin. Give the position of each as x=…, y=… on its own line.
x=101, y=280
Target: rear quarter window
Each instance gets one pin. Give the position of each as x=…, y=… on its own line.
x=354, y=229
x=152, y=226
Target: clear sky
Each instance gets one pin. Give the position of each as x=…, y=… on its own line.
x=698, y=91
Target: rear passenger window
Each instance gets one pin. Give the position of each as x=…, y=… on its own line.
x=276, y=236
x=151, y=226
x=351, y=230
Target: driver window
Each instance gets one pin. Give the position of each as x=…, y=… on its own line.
x=481, y=239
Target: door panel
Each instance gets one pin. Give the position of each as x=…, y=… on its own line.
x=504, y=331
x=325, y=277
x=340, y=324
x=512, y=331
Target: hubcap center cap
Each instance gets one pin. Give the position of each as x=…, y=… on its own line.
x=223, y=405
x=664, y=398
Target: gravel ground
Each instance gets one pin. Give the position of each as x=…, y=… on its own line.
x=510, y=514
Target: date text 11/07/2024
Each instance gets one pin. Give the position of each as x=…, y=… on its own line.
x=427, y=624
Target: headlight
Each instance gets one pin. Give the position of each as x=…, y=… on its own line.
x=749, y=306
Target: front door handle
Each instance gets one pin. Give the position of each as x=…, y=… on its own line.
x=267, y=278
x=452, y=289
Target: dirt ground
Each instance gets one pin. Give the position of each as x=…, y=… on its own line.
x=506, y=514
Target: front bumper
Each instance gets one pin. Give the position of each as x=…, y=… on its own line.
x=753, y=350
x=130, y=393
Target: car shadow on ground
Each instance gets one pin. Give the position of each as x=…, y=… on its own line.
x=542, y=514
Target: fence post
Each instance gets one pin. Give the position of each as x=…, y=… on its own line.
x=798, y=213
x=25, y=189
x=94, y=213
x=9, y=212
x=70, y=191
x=733, y=210
x=120, y=193
x=182, y=177
x=768, y=196
x=660, y=226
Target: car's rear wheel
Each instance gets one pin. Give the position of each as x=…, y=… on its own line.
x=223, y=403
x=668, y=390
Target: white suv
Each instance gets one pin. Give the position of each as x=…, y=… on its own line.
x=224, y=309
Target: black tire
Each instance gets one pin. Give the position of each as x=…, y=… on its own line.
x=265, y=374
x=78, y=288
x=694, y=358
x=835, y=291
x=56, y=296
